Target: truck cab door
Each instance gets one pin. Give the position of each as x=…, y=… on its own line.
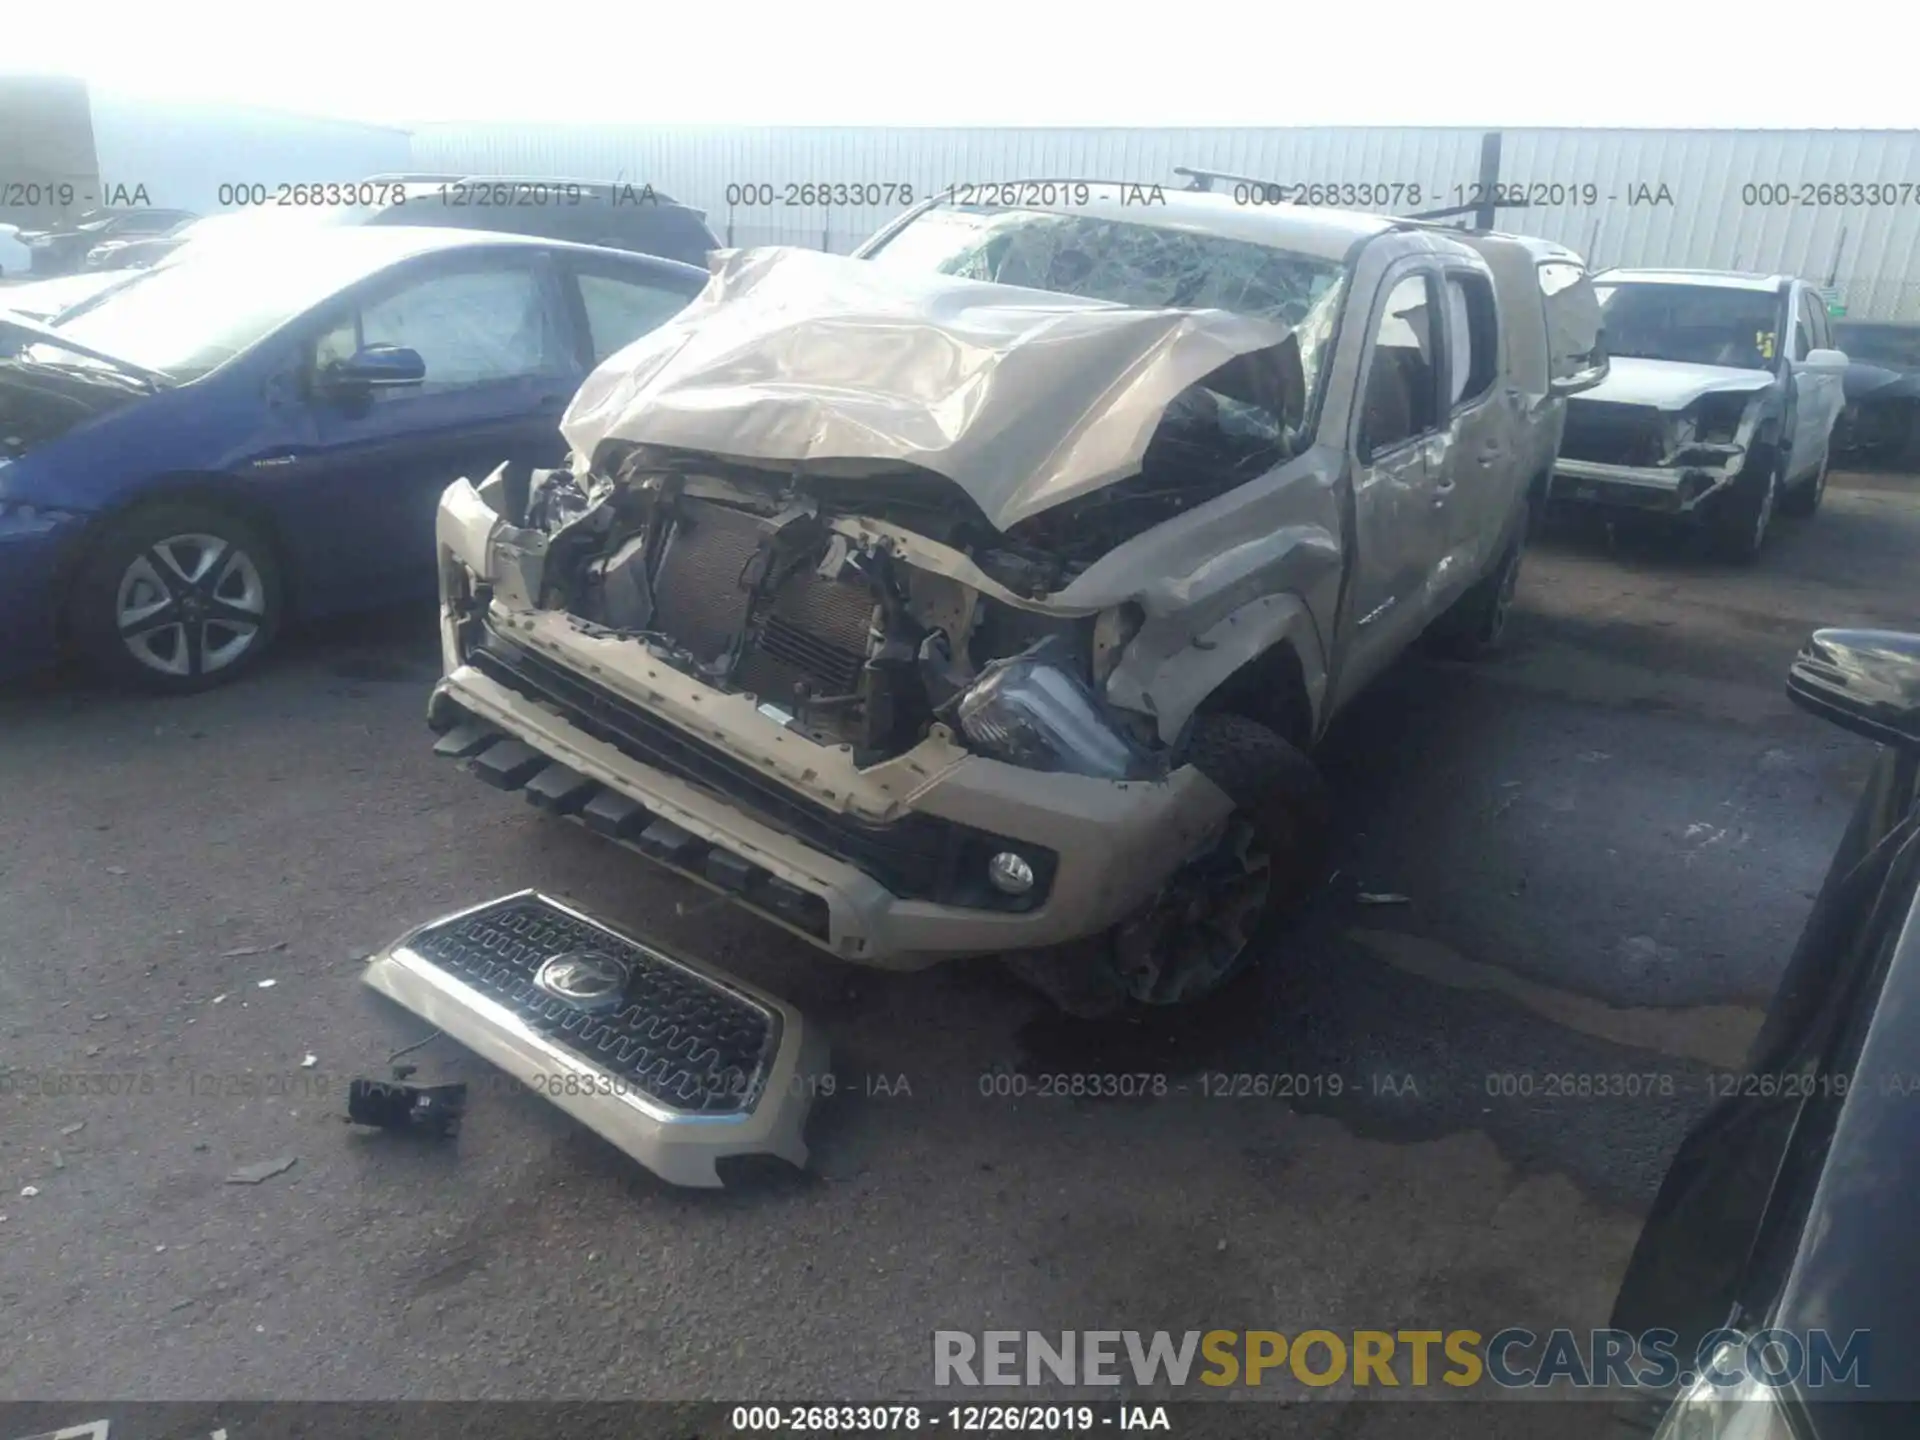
x=1397, y=453
x=1817, y=390
x=1491, y=440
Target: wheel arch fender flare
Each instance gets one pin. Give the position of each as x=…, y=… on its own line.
x=179, y=487
x=1269, y=628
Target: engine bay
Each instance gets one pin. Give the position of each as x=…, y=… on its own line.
x=743, y=581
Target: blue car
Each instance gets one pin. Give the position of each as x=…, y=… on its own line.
x=237, y=438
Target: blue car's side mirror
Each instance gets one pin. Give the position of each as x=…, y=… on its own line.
x=376, y=365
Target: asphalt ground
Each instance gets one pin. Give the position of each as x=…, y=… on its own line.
x=1606, y=841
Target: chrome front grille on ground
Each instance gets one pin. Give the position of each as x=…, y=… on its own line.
x=675, y=1036
x=673, y=1060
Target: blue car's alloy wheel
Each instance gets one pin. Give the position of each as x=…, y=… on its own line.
x=177, y=597
x=190, y=604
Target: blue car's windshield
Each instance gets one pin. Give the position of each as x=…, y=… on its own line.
x=199, y=311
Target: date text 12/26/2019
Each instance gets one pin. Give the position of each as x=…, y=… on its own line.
x=960, y=1419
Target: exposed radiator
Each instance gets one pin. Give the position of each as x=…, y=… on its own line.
x=811, y=630
x=698, y=596
x=814, y=631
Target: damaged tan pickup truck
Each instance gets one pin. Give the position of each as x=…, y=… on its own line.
x=987, y=592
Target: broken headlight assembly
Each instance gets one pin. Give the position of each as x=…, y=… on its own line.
x=1033, y=710
x=1716, y=418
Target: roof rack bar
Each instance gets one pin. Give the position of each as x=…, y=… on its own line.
x=1429, y=216
x=1203, y=179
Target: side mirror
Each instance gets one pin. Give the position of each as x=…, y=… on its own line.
x=376, y=365
x=1563, y=386
x=1825, y=360
x=1866, y=681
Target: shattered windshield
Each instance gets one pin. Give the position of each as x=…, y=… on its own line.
x=1702, y=324
x=1149, y=266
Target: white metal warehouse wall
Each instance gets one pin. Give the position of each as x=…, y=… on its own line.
x=1871, y=252
x=183, y=152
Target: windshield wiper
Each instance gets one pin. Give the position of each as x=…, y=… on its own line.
x=40, y=334
x=90, y=372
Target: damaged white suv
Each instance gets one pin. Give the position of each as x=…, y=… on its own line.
x=986, y=594
x=1719, y=406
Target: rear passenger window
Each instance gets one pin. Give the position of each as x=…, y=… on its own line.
x=1473, y=337
x=621, y=311
x=1803, y=331
x=1403, y=379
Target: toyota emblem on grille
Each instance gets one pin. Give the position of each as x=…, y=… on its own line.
x=590, y=980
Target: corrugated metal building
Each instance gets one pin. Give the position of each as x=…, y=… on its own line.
x=66, y=148
x=1837, y=206
x=189, y=154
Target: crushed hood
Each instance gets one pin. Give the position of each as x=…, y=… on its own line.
x=1669, y=384
x=1023, y=398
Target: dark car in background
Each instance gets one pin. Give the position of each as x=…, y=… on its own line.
x=617, y=215
x=130, y=252
x=1790, y=1206
x=62, y=249
x=237, y=437
x=1882, y=390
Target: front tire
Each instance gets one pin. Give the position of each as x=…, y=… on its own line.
x=1738, y=520
x=176, y=597
x=1209, y=923
x=1803, y=500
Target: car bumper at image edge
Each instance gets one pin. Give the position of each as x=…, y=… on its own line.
x=29, y=566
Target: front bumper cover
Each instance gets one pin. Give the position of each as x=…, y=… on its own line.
x=1678, y=490
x=30, y=569
x=1117, y=841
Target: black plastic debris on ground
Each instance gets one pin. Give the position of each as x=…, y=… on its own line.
x=394, y=1104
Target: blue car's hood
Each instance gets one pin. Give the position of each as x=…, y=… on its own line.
x=40, y=403
x=20, y=326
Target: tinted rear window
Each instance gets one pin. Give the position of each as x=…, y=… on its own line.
x=673, y=232
x=1895, y=346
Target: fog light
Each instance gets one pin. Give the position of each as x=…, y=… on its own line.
x=1010, y=873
